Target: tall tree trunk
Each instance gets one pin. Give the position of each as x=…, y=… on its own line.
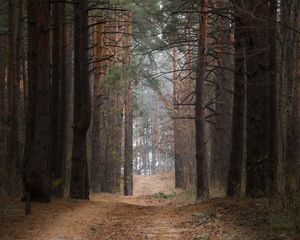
x=128, y=178
x=64, y=100
x=258, y=100
x=179, y=174
x=296, y=121
x=153, y=147
x=3, y=63
x=178, y=138
x=11, y=67
x=222, y=130
x=283, y=95
x=79, y=187
x=271, y=171
x=157, y=134
x=96, y=138
x=296, y=113
x=36, y=153
x=236, y=175
x=292, y=161
x=252, y=38
x=202, y=175
x=13, y=163
x=57, y=95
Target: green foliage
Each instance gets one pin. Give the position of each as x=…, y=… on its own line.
x=162, y=195
x=117, y=75
x=150, y=81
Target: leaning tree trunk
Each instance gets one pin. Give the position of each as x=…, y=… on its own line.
x=79, y=187
x=202, y=175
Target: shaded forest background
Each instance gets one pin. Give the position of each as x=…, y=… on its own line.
x=94, y=91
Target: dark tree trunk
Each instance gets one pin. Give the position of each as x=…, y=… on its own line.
x=128, y=178
x=79, y=187
x=254, y=146
x=64, y=100
x=237, y=168
x=291, y=12
x=3, y=63
x=36, y=153
x=222, y=130
x=258, y=99
x=271, y=171
x=20, y=74
x=296, y=113
x=58, y=79
x=201, y=162
x=14, y=91
x=296, y=119
x=11, y=66
x=3, y=122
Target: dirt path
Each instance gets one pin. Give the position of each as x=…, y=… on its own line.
x=103, y=217
x=124, y=218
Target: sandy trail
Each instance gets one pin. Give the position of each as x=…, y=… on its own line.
x=103, y=217
x=140, y=217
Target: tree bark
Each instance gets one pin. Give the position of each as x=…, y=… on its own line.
x=201, y=162
x=58, y=99
x=221, y=135
x=97, y=102
x=3, y=63
x=292, y=161
x=178, y=148
x=271, y=170
x=79, y=186
x=128, y=178
x=14, y=154
x=237, y=168
x=64, y=100
x=36, y=153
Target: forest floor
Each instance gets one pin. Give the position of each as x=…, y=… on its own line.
x=156, y=211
